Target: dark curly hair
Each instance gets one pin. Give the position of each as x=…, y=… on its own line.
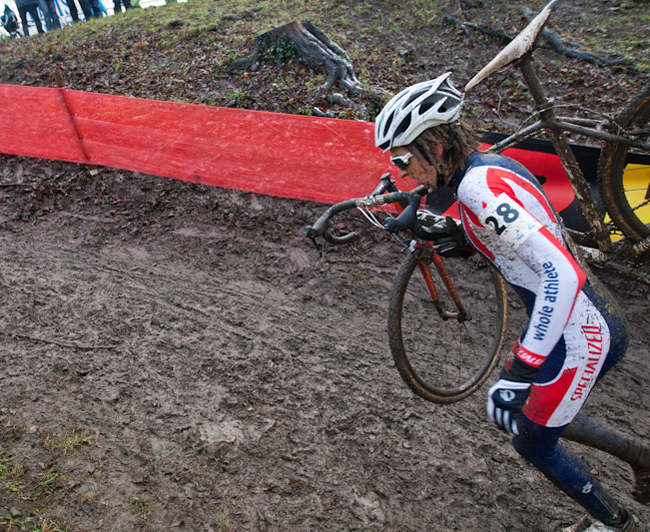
x=458, y=141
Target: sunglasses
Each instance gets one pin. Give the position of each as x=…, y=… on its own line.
x=401, y=161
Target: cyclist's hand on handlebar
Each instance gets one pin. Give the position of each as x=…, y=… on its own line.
x=408, y=218
x=394, y=225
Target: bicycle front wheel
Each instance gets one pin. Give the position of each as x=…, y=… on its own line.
x=624, y=171
x=444, y=357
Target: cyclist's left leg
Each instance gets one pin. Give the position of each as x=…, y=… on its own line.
x=594, y=340
x=540, y=446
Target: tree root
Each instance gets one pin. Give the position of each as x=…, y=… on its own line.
x=303, y=41
x=570, y=49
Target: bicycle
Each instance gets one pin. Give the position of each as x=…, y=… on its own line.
x=623, y=166
x=440, y=364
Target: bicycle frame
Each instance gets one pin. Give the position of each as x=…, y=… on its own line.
x=555, y=129
x=421, y=253
x=519, y=53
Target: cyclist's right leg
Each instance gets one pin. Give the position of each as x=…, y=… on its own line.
x=592, y=343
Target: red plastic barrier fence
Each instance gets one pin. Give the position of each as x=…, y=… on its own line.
x=284, y=155
x=36, y=123
x=299, y=157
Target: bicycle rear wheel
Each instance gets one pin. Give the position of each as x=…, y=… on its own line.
x=446, y=360
x=624, y=172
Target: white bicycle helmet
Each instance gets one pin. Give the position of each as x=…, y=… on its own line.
x=416, y=109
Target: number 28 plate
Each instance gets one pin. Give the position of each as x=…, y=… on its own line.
x=510, y=221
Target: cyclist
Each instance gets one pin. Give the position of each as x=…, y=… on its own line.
x=575, y=334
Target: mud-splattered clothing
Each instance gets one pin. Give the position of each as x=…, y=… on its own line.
x=573, y=337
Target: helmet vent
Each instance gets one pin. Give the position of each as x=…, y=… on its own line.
x=413, y=98
x=430, y=102
x=402, y=127
x=389, y=121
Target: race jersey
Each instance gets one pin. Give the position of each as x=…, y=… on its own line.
x=508, y=219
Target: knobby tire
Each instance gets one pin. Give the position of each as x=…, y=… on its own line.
x=444, y=361
x=624, y=195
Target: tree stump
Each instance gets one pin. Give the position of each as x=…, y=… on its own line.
x=304, y=41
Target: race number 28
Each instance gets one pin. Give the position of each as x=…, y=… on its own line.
x=505, y=214
x=513, y=224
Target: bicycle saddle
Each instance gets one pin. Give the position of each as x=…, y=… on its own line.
x=516, y=48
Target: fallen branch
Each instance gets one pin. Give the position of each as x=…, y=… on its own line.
x=498, y=34
x=570, y=49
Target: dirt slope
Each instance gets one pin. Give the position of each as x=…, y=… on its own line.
x=177, y=357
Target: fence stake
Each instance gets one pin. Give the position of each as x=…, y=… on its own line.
x=60, y=83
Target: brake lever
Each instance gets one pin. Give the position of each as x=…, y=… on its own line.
x=386, y=184
x=317, y=246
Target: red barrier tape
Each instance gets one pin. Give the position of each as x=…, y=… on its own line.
x=291, y=156
x=35, y=123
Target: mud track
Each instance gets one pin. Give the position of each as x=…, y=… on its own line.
x=226, y=377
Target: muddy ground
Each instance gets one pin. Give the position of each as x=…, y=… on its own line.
x=177, y=357
x=174, y=357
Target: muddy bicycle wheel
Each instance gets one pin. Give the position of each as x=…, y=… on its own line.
x=624, y=172
x=446, y=360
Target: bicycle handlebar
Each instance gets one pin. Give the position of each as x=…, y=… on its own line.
x=408, y=217
x=385, y=193
x=447, y=239
x=320, y=227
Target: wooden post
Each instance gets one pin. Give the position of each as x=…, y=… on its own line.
x=60, y=83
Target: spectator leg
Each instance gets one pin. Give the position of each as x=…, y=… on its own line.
x=33, y=11
x=56, y=22
x=73, y=10
x=22, y=11
x=85, y=6
x=97, y=11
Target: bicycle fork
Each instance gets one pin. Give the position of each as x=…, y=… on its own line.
x=421, y=256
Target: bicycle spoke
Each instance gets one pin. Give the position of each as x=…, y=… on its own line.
x=625, y=173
